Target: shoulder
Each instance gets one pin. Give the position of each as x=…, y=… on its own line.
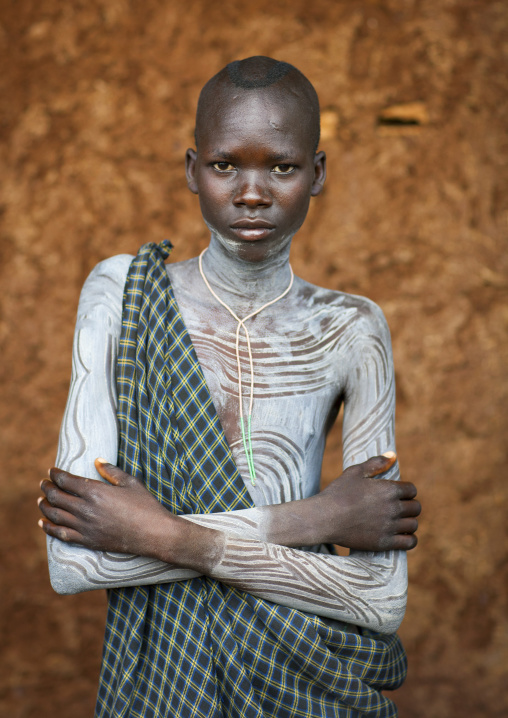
x=110, y=271
x=102, y=293
x=359, y=315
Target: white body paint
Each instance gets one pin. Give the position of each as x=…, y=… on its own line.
x=310, y=350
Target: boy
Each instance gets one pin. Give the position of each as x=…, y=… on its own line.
x=222, y=616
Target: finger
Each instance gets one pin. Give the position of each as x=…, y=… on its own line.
x=407, y=526
x=406, y=490
x=56, y=515
x=404, y=542
x=111, y=473
x=68, y=482
x=57, y=497
x=378, y=464
x=410, y=508
x=64, y=533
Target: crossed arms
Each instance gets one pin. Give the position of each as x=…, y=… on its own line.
x=249, y=549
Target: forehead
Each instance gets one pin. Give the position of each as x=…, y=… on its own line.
x=279, y=117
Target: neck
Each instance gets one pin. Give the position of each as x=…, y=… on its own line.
x=244, y=284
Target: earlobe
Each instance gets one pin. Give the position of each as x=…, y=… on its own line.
x=319, y=173
x=190, y=170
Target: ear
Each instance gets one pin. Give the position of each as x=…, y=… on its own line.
x=319, y=173
x=190, y=170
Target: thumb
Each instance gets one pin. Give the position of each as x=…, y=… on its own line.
x=378, y=464
x=111, y=473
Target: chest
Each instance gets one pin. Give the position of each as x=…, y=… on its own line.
x=294, y=366
x=293, y=380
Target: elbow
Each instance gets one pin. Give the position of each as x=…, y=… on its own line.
x=385, y=597
x=61, y=586
x=66, y=582
x=65, y=574
x=390, y=620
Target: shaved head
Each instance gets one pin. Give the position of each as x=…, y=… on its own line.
x=280, y=81
x=259, y=71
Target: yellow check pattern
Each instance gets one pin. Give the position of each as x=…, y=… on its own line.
x=198, y=648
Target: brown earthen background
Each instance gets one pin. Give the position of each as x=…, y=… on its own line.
x=97, y=102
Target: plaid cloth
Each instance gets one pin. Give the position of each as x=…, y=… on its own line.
x=198, y=647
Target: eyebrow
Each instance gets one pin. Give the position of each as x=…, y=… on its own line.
x=271, y=158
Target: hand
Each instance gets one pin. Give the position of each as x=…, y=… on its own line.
x=367, y=514
x=356, y=510
x=122, y=516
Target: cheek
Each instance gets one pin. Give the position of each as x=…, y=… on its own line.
x=296, y=205
x=212, y=195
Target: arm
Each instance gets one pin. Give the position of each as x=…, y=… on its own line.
x=75, y=568
x=89, y=429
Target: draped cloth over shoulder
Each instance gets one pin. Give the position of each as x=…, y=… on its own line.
x=198, y=647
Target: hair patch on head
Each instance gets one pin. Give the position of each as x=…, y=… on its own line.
x=268, y=76
x=257, y=73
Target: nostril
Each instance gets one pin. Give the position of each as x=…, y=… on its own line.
x=252, y=196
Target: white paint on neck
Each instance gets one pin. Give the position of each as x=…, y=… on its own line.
x=246, y=284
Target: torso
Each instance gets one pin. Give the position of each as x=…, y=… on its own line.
x=300, y=355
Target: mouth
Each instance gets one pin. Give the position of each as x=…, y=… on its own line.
x=252, y=229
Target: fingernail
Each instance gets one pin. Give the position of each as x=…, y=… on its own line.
x=101, y=461
x=39, y=500
x=389, y=454
x=40, y=523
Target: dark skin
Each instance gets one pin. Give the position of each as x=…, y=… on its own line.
x=235, y=175
x=254, y=188
x=355, y=511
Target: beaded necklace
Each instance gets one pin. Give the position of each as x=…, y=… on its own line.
x=246, y=434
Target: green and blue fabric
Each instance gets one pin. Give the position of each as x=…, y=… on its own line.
x=198, y=648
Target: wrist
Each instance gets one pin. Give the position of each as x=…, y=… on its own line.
x=304, y=522
x=332, y=515
x=189, y=545
x=327, y=512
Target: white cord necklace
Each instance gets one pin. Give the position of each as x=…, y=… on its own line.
x=246, y=435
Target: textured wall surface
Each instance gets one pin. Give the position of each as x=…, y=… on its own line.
x=96, y=111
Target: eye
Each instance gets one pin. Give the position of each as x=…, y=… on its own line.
x=284, y=169
x=223, y=166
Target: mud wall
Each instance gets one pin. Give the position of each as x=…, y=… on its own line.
x=96, y=111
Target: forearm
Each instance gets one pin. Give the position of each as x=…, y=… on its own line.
x=74, y=568
x=367, y=590
x=360, y=590
x=306, y=522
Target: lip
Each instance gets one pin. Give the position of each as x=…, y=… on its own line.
x=252, y=223
x=252, y=228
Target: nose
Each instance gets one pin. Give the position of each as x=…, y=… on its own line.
x=252, y=191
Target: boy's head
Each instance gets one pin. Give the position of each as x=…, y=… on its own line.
x=261, y=76
x=256, y=166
